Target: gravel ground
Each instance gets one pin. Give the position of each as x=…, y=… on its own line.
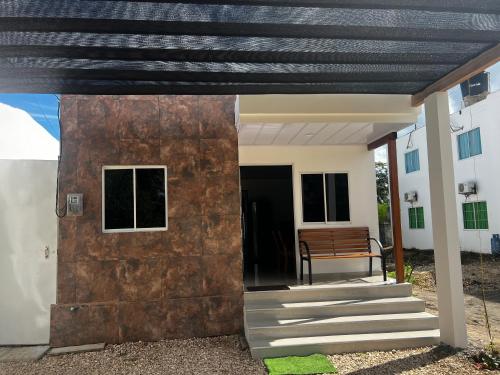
x=428, y=361
x=223, y=355
x=215, y=355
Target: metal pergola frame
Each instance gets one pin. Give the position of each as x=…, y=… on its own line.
x=244, y=46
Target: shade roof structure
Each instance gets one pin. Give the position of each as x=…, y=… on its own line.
x=242, y=46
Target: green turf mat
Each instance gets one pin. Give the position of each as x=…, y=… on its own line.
x=313, y=364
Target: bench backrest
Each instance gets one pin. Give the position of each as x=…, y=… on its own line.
x=335, y=241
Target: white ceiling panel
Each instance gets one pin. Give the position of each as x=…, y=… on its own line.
x=327, y=132
x=248, y=133
x=268, y=134
x=287, y=133
x=307, y=133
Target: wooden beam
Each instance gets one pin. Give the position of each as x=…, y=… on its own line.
x=397, y=238
x=459, y=75
x=382, y=141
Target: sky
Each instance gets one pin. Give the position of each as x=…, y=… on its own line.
x=44, y=107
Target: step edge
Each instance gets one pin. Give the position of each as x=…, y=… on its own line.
x=432, y=334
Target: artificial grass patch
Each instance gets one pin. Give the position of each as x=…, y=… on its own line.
x=313, y=364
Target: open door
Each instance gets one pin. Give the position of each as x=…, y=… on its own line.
x=268, y=225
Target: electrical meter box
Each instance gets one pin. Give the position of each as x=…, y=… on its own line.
x=74, y=205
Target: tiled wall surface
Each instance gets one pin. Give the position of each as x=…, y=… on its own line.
x=184, y=282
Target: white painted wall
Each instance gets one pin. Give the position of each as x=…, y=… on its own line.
x=22, y=138
x=484, y=169
x=27, y=224
x=355, y=160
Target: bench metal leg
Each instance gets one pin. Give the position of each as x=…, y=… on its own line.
x=310, y=271
x=301, y=269
x=384, y=268
x=371, y=266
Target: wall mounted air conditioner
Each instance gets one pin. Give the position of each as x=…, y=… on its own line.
x=411, y=196
x=467, y=188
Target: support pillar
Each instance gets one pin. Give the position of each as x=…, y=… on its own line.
x=445, y=222
x=397, y=238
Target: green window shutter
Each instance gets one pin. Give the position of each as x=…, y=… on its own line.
x=468, y=213
x=412, y=218
x=481, y=215
x=420, y=218
x=463, y=146
x=475, y=142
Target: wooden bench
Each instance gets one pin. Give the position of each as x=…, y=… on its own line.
x=338, y=243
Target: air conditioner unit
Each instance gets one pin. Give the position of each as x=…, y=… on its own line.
x=467, y=188
x=411, y=196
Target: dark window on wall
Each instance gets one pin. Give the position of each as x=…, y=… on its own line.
x=325, y=197
x=313, y=198
x=134, y=198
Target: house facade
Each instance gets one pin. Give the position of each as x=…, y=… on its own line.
x=177, y=193
x=176, y=272
x=474, y=133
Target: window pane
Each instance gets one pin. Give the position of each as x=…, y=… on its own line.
x=412, y=161
x=118, y=199
x=420, y=218
x=313, y=203
x=407, y=162
x=337, y=197
x=475, y=142
x=463, y=146
x=150, y=198
x=468, y=213
x=412, y=217
x=481, y=215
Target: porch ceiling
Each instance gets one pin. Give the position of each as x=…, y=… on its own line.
x=240, y=46
x=314, y=133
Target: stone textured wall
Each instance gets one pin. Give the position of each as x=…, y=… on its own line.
x=183, y=282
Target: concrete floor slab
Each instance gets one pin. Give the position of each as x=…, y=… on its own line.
x=22, y=353
x=77, y=349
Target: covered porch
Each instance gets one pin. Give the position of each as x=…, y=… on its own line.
x=394, y=55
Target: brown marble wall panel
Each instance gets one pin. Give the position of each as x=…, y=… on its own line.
x=182, y=282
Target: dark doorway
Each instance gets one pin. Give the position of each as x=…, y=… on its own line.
x=268, y=224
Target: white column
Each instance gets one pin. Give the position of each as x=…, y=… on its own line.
x=444, y=222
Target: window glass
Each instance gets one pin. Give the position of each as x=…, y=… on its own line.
x=337, y=196
x=118, y=199
x=412, y=161
x=313, y=199
x=134, y=198
x=475, y=215
x=150, y=198
x=469, y=144
x=420, y=218
x=475, y=142
x=416, y=217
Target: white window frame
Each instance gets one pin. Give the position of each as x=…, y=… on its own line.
x=134, y=168
x=324, y=199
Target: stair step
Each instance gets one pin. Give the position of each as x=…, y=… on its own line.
x=340, y=325
x=329, y=293
x=342, y=343
x=295, y=310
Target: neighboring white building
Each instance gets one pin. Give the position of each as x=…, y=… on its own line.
x=28, y=228
x=475, y=133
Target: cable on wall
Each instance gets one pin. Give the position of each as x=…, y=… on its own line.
x=60, y=212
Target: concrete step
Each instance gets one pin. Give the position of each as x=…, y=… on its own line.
x=328, y=293
x=296, y=310
x=341, y=325
x=342, y=343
